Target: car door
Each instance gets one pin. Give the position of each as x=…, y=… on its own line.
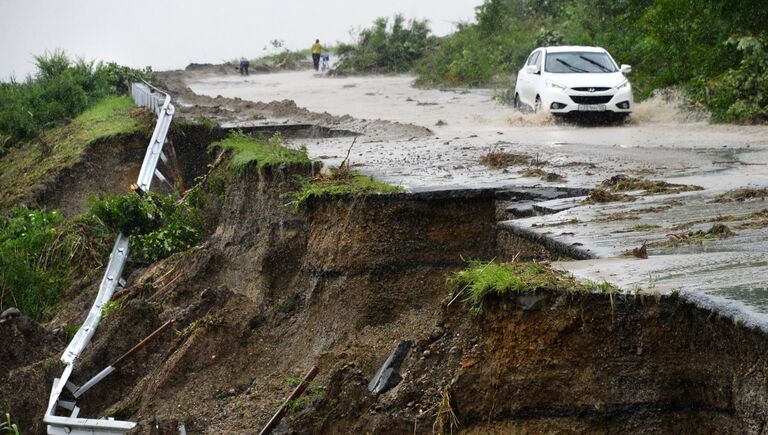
x=524, y=79
x=528, y=92
x=537, y=80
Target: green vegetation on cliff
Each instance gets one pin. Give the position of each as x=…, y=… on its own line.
x=481, y=280
x=27, y=167
x=262, y=152
x=340, y=183
x=42, y=254
x=157, y=226
x=61, y=89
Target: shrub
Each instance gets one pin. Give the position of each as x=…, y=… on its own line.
x=157, y=226
x=740, y=94
x=386, y=47
x=41, y=254
x=61, y=89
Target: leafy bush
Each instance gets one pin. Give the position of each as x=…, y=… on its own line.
x=387, y=48
x=61, y=89
x=740, y=94
x=157, y=226
x=669, y=43
x=41, y=254
x=132, y=214
x=469, y=58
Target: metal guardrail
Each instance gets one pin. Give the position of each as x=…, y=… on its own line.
x=159, y=102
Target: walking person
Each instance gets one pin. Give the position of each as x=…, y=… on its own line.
x=317, y=49
x=244, y=66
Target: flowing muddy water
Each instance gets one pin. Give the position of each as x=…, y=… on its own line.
x=467, y=123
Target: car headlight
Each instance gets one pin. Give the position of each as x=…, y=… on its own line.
x=623, y=85
x=553, y=85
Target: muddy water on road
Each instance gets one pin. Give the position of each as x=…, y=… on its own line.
x=467, y=123
x=655, y=122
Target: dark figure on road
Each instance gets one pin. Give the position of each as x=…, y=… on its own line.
x=244, y=66
x=317, y=49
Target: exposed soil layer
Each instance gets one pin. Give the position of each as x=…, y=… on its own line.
x=108, y=166
x=341, y=282
x=338, y=284
x=28, y=363
x=567, y=363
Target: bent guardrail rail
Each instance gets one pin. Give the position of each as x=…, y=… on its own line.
x=159, y=102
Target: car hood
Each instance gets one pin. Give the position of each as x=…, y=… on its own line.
x=577, y=80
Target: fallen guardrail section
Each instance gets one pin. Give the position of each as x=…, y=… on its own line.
x=160, y=102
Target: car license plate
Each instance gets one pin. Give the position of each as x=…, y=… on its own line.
x=592, y=107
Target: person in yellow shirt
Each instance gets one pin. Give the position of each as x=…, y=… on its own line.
x=317, y=49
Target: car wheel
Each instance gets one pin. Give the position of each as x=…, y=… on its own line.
x=517, y=104
x=537, y=105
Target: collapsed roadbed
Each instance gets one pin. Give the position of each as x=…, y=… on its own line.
x=341, y=282
x=356, y=285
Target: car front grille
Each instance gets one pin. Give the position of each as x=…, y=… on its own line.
x=590, y=89
x=591, y=99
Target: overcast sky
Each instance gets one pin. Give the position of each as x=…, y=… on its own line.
x=170, y=34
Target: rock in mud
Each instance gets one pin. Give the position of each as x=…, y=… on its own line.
x=388, y=375
x=531, y=302
x=10, y=312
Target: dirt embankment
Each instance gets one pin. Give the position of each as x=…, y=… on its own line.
x=108, y=166
x=340, y=283
x=240, y=112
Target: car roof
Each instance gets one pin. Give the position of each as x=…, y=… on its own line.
x=563, y=48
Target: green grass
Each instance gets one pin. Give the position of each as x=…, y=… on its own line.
x=8, y=426
x=260, y=152
x=109, y=308
x=210, y=321
x=312, y=394
x=70, y=329
x=42, y=254
x=25, y=168
x=345, y=184
x=481, y=280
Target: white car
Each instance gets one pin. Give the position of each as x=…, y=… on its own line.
x=573, y=79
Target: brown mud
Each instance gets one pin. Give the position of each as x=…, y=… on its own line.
x=236, y=112
x=108, y=166
x=339, y=284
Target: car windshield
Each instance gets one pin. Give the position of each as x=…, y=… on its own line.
x=579, y=62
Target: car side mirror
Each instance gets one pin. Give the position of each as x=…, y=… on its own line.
x=626, y=69
x=532, y=69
